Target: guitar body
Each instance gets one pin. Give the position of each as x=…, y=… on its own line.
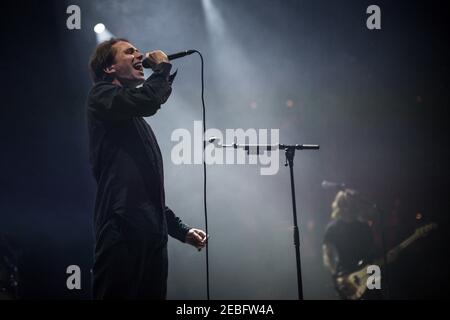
x=353, y=286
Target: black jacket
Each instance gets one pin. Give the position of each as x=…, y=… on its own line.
x=125, y=157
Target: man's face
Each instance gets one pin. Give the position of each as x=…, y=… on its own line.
x=127, y=68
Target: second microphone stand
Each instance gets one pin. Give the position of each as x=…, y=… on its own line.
x=289, y=151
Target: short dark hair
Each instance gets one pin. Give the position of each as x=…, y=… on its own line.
x=102, y=57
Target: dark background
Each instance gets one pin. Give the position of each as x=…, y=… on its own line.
x=376, y=101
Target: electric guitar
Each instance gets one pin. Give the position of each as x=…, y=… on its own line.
x=354, y=285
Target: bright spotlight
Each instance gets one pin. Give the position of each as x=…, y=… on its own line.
x=99, y=28
x=101, y=33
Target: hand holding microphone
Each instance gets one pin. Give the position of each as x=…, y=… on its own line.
x=155, y=57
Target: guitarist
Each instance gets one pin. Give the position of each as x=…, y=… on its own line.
x=348, y=242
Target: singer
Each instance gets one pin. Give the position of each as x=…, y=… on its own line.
x=131, y=219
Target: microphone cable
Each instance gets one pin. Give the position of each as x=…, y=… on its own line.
x=204, y=171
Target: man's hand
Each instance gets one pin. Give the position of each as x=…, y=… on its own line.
x=156, y=57
x=196, y=238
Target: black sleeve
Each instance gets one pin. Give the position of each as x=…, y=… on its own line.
x=329, y=236
x=176, y=228
x=113, y=102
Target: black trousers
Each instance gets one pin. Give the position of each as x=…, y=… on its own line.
x=129, y=263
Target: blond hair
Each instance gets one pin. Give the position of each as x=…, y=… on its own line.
x=345, y=205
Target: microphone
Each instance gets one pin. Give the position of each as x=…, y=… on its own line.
x=180, y=54
x=333, y=185
x=147, y=64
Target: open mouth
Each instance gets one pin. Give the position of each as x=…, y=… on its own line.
x=138, y=66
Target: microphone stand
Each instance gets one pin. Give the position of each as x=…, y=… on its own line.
x=289, y=151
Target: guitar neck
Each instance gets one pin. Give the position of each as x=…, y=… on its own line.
x=391, y=255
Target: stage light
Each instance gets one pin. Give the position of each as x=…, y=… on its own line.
x=101, y=33
x=215, y=23
x=99, y=28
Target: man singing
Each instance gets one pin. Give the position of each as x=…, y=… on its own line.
x=131, y=219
